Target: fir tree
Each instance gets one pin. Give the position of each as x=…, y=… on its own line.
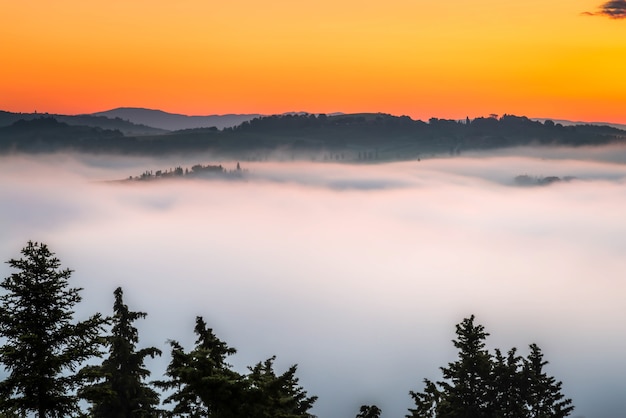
x=367, y=411
x=508, y=385
x=427, y=402
x=275, y=396
x=120, y=391
x=543, y=392
x=468, y=379
x=43, y=347
x=481, y=385
x=202, y=382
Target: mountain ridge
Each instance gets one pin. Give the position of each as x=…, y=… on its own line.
x=125, y=127
x=358, y=137
x=175, y=121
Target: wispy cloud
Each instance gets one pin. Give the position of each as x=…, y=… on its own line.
x=615, y=9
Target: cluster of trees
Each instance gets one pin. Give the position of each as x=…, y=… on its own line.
x=197, y=170
x=44, y=351
x=308, y=136
x=480, y=384
x=526, y=180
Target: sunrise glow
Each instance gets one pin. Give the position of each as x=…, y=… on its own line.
x=418, y=58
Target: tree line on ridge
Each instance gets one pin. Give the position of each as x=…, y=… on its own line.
x=349, y=138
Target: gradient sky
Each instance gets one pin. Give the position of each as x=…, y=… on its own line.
x=422, y=58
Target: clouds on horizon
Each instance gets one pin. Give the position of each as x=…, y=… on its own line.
x=614, y=9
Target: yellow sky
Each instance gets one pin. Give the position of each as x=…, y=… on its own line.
x=421, y=58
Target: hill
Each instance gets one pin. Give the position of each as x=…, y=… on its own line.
x=125, y=127
x=565, y=122
x=357, y=137
x=46, y=134
x=172, y=121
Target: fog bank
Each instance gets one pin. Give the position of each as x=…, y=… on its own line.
x=358, y=273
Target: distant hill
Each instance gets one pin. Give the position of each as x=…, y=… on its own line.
x=566, y=122
x=366, y=137
x=125, y=127
x=47, y=134
x=172, y=121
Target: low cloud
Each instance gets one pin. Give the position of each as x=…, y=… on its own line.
x=358, y=273
x=615, y=9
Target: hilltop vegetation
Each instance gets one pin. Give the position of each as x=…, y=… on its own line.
x=94, y=121
x=358, y=137
x=173, y=122
x=196, y=171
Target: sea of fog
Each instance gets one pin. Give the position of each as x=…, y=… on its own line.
x=357, y=273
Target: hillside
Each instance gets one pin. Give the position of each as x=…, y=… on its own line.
x=124, y=126
x=358, y=137
x=172, y=121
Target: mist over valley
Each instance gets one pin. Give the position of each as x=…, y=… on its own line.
x=356, y=272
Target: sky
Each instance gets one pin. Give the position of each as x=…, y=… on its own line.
x=357, y=273
x=563, y=59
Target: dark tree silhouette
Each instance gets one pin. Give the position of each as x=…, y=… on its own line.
x=367, y=411
x=43, y=346
x=275, y=396
x=508, y=385
x=202, y=382
x=544, y=397
x=120, y=390
x=481, y=385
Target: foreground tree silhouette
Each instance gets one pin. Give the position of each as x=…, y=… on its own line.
x=479, y=385
x=544, y=395
x=202, y=384
x=202, y=381
x=467, y=379
x=120, y=391
x=367, y=411
x=43, y=347
x=275, y=396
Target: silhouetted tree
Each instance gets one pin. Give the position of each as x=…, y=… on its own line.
x=468, y=378
x=426, y=402
x=508, y=385
x=480, y=385
x=275, y=396
x=120, y=391
x=43, y=347
x=543, y=396
x=367, y=411
x=202, y=382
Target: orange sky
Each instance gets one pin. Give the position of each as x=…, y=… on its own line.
x=420, y=58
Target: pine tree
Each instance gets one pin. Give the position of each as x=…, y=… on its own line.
x=479, y=385
x=202, y=381
x=543, y=392
x=367, y=411
x=120, y=391
x=275, y=396
x=468, y=379
x=427, y=402
x=43, y=346
x=508, y=385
